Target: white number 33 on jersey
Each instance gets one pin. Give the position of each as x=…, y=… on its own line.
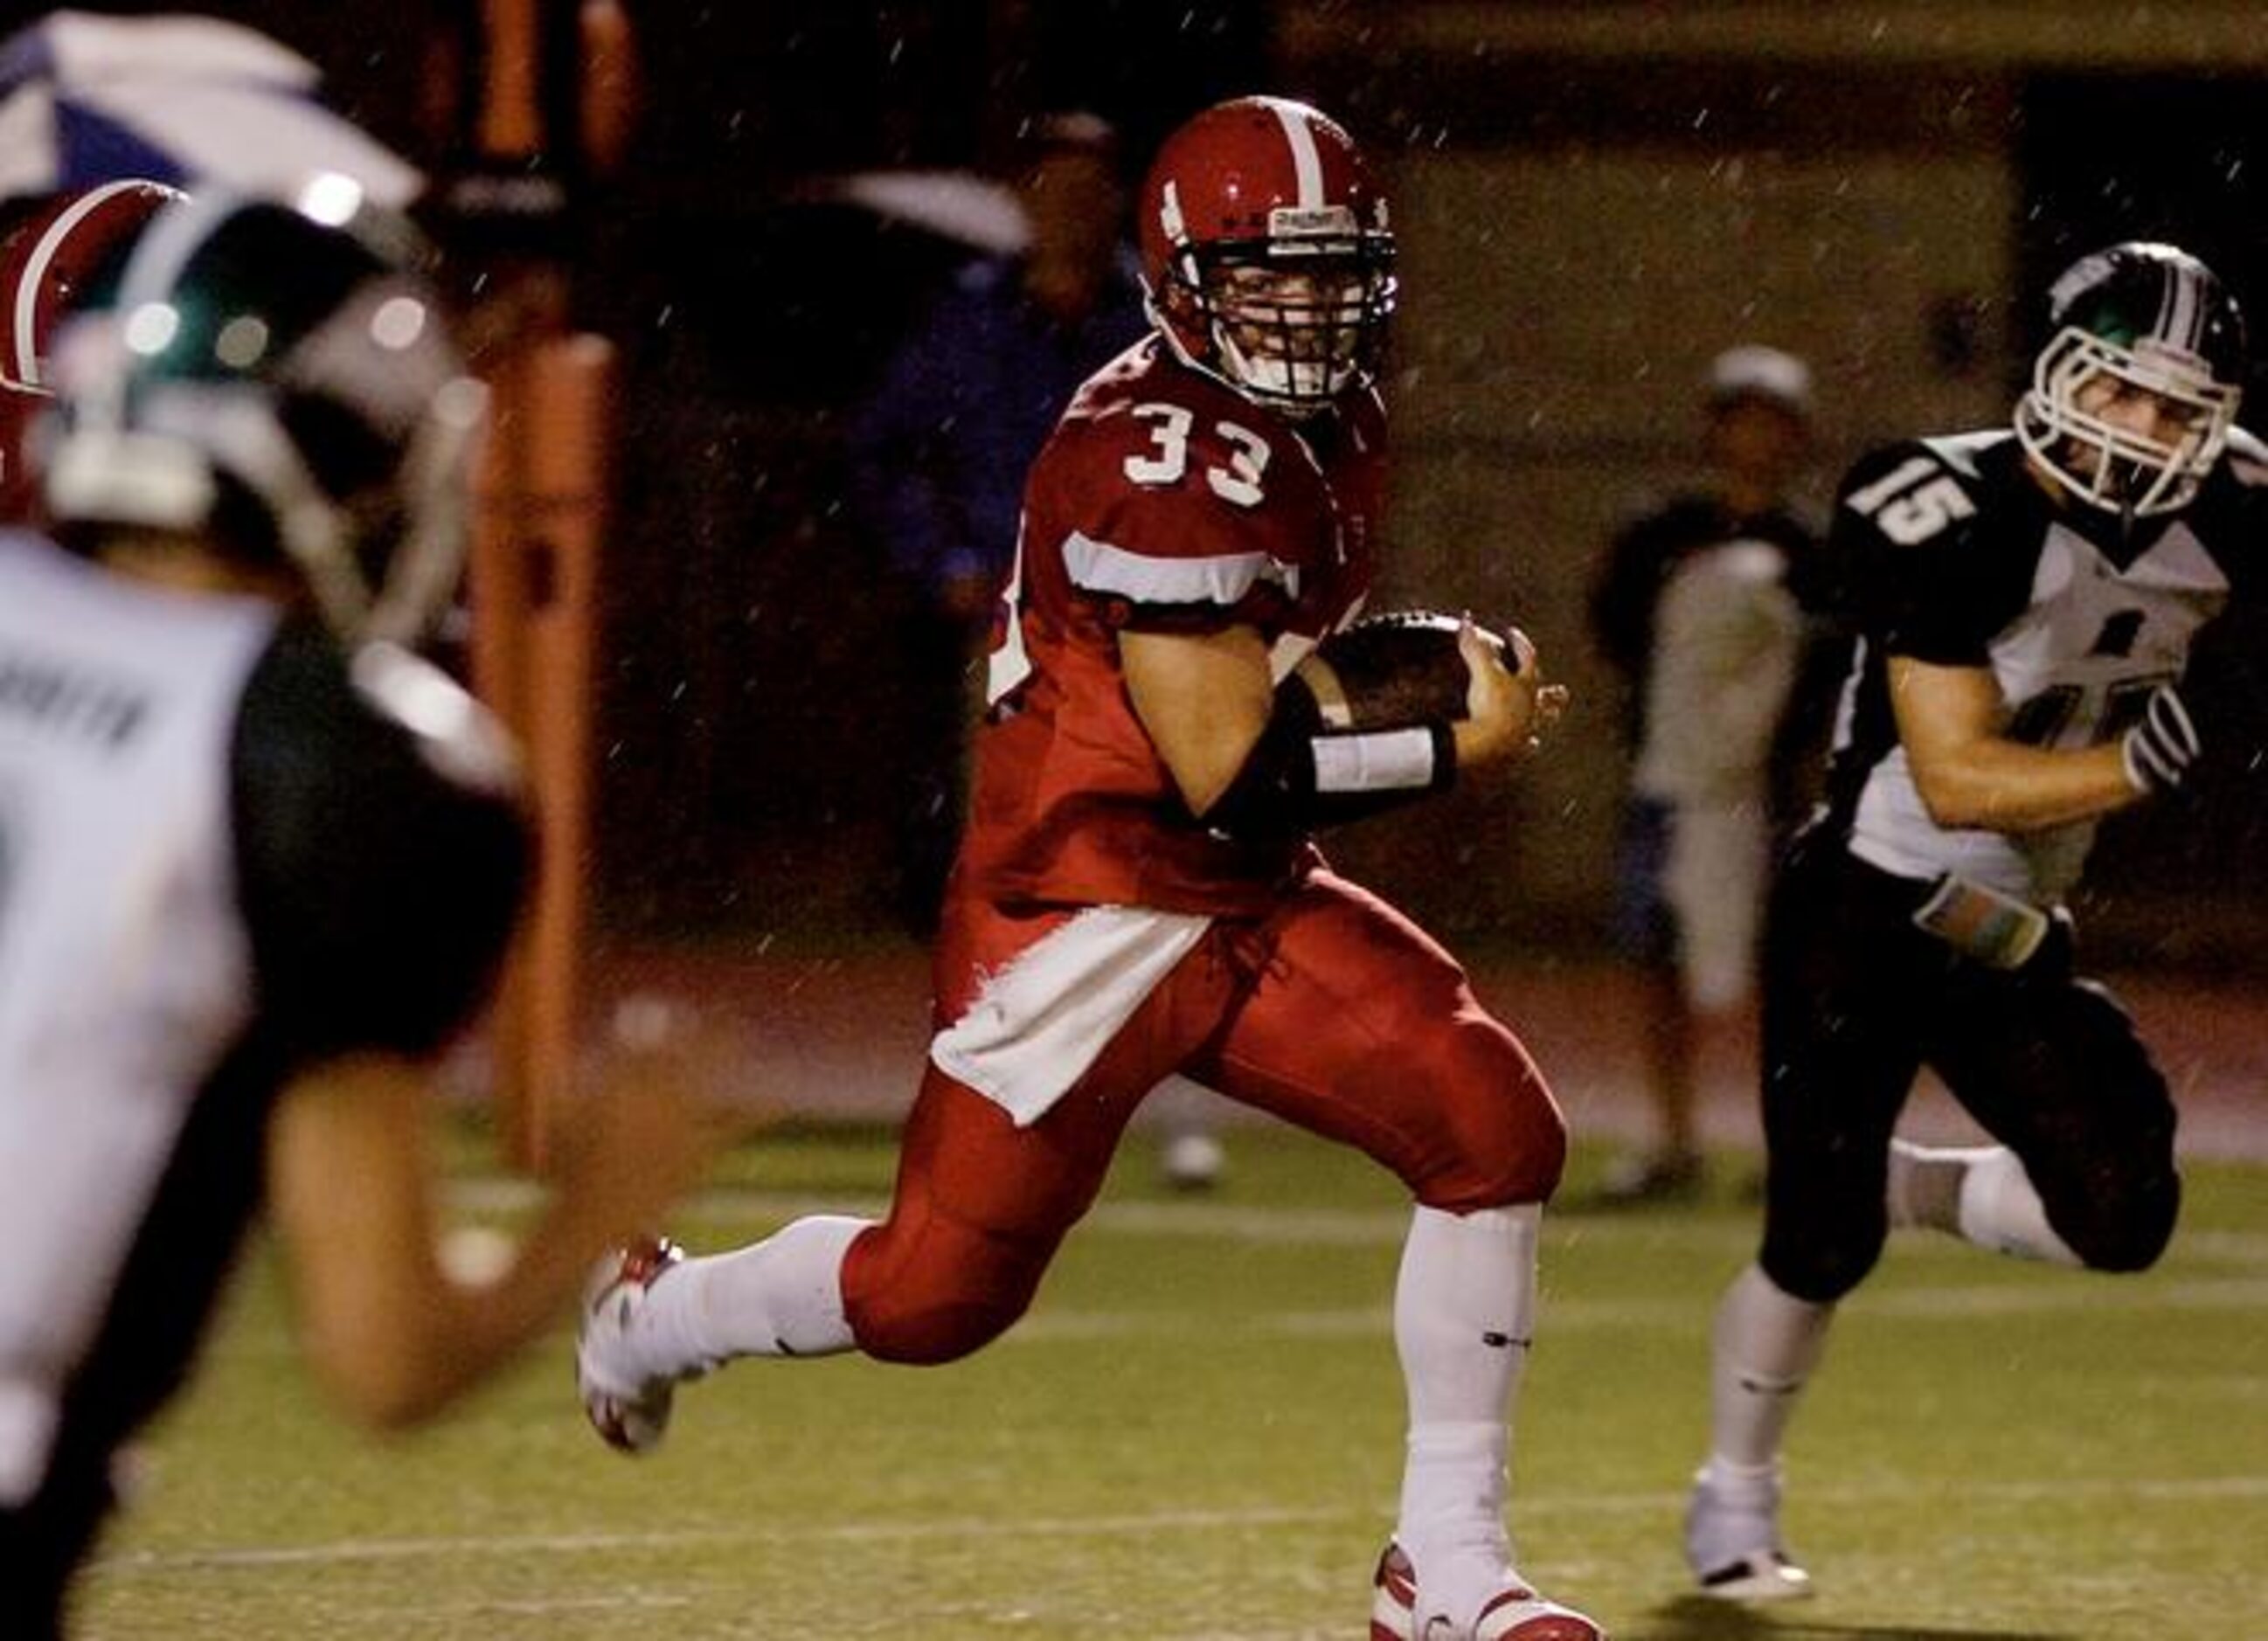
x=1169, y=457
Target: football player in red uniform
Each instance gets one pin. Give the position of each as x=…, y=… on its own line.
x=1137, y=894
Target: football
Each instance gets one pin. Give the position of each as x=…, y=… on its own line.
x=1391, y=670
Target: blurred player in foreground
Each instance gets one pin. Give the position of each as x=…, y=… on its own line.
x=2026, y=599
x=257, y=862
x=1137, y=894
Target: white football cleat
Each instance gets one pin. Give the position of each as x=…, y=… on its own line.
x=1513, y=1613
x=1732, y=1543
x=1763, y=1575
x=630, y=1412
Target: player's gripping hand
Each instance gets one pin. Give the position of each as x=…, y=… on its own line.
x=2158, y=751
x=1508, y=705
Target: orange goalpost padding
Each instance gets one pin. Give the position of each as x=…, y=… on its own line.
x=537, y=548
x=535, y=608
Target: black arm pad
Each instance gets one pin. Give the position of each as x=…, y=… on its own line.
x=1299, y=777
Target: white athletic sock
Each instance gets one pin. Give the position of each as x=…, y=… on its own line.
x=2000, y=1210
x=1925, y=1185
x=1767, y=1344
x=1463, y=1306
x=780, y=1297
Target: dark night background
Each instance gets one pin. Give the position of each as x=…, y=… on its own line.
x=748, y=721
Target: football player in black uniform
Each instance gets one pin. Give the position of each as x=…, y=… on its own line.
x=257, y=861
x=2025, y=601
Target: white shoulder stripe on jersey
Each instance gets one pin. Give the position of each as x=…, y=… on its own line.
x=24, y=322
x=1223, y=579
x=2248, y=459
x=1306, y=163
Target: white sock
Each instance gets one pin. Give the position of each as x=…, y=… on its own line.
x=2000, y=1210
x=780, y=1297
x=1925, y=1185
x=1463, y=1306
x=1767, y=1344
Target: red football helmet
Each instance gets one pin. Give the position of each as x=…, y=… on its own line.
x=49, y=248
x=1267, y=253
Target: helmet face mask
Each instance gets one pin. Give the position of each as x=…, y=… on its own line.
x=1295, y=332
x=2133, y=398
x=1268, y=256
x=284, y=387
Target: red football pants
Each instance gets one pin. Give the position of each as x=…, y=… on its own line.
x=1335, y=1013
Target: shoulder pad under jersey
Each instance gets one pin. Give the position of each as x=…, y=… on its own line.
x=1175, y=477
x=457, y=737
x=1916, y=492
x=2247, y=457
x=1965, y=452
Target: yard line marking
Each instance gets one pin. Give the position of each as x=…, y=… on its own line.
x=1571, y=1314
x=2201, y=1294
x=2237, y=1247
x=2054, y=1294
x=532, y=1609
x=1568, y=1313
x=1290, y=1225
x=2243, y=1489
x=577, y=1543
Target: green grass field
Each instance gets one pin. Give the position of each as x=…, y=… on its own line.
x=1195, y=1438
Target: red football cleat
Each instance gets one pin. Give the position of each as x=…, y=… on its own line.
x=1515, y=1613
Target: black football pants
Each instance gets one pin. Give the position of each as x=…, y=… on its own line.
x=1858, y=999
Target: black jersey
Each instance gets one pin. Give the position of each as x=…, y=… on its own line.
x=225, y=852
x=1950, y=552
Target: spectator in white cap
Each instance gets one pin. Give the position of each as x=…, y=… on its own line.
x=1700, y=606
x=1774, y=379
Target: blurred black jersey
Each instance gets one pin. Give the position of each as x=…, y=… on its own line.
x=225, y=852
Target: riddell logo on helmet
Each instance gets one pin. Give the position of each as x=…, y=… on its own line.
x=1311, y=222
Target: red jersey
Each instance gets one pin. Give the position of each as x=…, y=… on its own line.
x=1163, y=502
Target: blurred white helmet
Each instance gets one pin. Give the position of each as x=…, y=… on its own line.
x=279, y=376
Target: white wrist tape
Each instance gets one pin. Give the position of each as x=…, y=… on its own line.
x=1396, y=760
